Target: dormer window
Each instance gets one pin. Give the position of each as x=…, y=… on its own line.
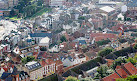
x=132, y=69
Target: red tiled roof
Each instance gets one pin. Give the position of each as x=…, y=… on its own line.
x=100, y=36
x=72, y=44
x=58, y=62
x=124, y=70
x=122, y=73
x=131, y=68
x=115, y=28
x=118, y=67
x=43, y=63
x=67, y=36
x=109, y=62
x=89, y=24
x=64, y=43
x=111, y=77
x=49, y=61
x=5, y=69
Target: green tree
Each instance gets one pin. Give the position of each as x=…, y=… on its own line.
x=70, y=78
x=22, y=4
x=27, y=59
x=100, y=29
x=135, y=46
x=132, y=78
x=43, y=49
x=63, y=39
x=102, y=70
x=12, y=13
x=103, y=42
x=86, y=79
x=128, y=19
x=132, y=60
x=40, y=2
x=129, y=78
x=118, y=61
x=81, y=18
x=29, y=10
x=125, y=18
x=105, y=52
x=121, y=40
x=84, y=46
x=119, y=19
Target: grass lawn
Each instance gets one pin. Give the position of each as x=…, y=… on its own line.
x=14, y=18
x=41, y=12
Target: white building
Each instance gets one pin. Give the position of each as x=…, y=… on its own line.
x=15, y=39
x=120, y=16
x=54, y=49
x=44, y=42
x=124, y=8
x=73, y=60
x=47, y=21
x=34, y=69
x=36, y=37
x=56, y=3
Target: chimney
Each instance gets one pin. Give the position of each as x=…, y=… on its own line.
x=122, y=65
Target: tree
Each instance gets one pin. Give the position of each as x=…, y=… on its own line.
x=135, y=46
x=63, y=39
x=22, y=4
x=118, y=61
x=125, y=18
x=119, y=19
x=132, y=60
x=121, y=40
x=129, y=78
x=40, y=2
x=100, y=29
x=105, y=52
x=27, y=59
x=81, y=18
x=12, y=13
x=86, y=79
x=70, y=78
x=43, y=49
x=84, y=46
x=103, y=42
x=128, y=19
x=102, y=70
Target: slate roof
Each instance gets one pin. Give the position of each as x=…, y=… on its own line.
x=69, y=73
x=80, y=38
x=9, y=79
x=70, y=58
x=87, y=65
x=23, y=75
x=41, y=35
x=15, y=72
x=111, y=56
x=5, y=75
x=33, y=66
x=81, y=42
